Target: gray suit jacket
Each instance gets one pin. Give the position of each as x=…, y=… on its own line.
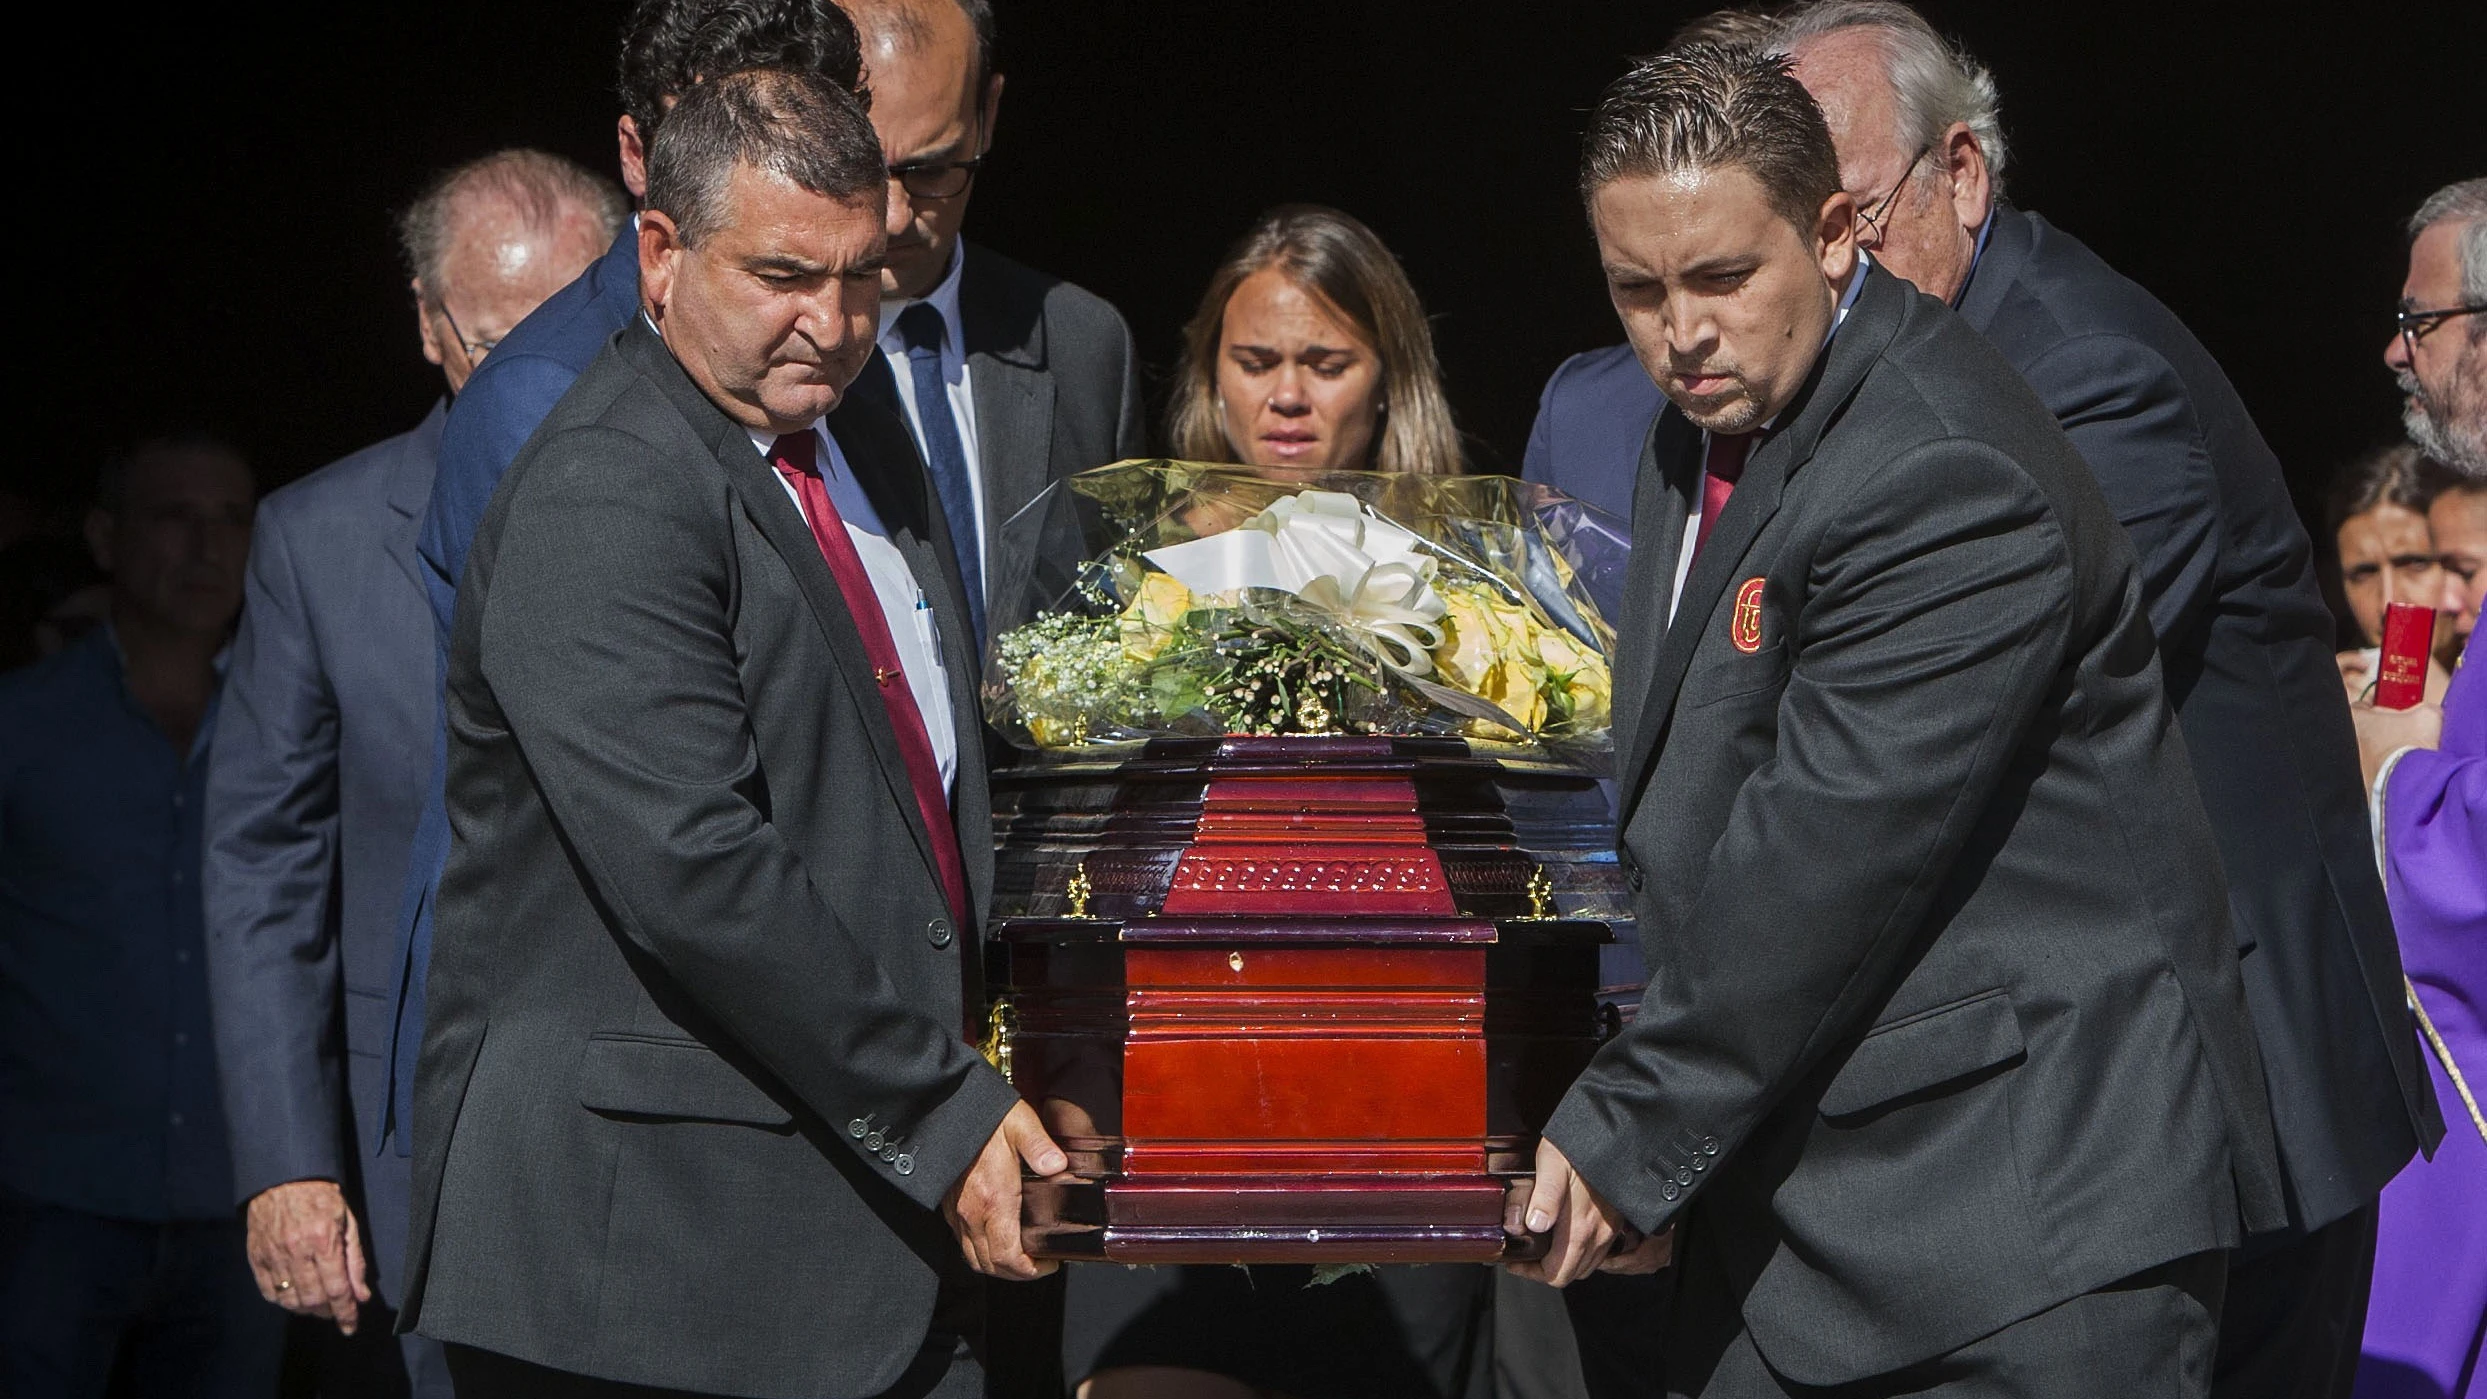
x=313, y=780
x=1056, y=381
x=1943, y=1023
x=695, y=1076
x=2246, y=644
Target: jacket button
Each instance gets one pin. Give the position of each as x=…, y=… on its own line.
x=904, y=1165
x=1670, y=1189
x=1709, y=1146
x=1683, y=1176
x=873, y=1143
x=1632, y=879
x=938, y=932
x=857, y=1128
x=889, y=1154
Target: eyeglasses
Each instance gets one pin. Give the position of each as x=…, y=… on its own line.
x=475, y=349
x=1873, y=218
x=936, y=179
x=2416, y=325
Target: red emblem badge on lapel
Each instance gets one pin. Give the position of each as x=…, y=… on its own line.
x=1745, y=628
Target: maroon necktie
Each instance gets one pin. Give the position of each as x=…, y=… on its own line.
x=795, y=458
x=1720, y=467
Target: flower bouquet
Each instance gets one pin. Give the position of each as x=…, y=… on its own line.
x=1155, y=598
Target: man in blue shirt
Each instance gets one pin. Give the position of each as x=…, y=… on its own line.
x=667, y=46
x=118, y=1238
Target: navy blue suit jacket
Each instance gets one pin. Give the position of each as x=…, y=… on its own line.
x=2245, y=642
x=497, y=411
x=1592, y=420
x=322, y=749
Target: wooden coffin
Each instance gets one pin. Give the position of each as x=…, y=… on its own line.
x=1295, y=999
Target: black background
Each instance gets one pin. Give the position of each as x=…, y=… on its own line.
x=208, y=238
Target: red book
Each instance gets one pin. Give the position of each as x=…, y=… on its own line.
x=2401, y=669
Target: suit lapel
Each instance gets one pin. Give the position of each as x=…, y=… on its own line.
x=1660, y=503
x=780, y=522
x=1871, y=322
x=410, y=491
x=1014, y=394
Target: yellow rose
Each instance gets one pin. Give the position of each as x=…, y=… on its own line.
x=1582, y=673
x=1147, y=623
x=1519, y=689
x=1468, y=646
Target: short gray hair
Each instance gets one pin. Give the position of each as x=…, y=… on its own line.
x=796, y=125
x=1935, y=81
x=2465, y=200
x=541, y=186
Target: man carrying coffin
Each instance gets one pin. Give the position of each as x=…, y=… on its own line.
x=1943, y=1076
x=694, y=1092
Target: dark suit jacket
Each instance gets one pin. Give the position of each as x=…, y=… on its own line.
x=1056, y=381
x=1592, y=418
x=1943, y=1023
x=691, y=945
x=2246, y=644
x=321, y=756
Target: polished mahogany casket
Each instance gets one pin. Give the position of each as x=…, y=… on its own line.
x=1300, y=999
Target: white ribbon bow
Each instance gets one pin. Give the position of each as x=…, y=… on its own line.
x=1329, y=549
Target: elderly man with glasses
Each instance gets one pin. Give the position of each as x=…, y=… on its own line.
x=2245, y=642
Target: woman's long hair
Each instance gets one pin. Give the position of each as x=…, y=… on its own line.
x=1339, y=262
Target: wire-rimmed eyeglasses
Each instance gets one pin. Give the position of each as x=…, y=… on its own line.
x=1873, y=218
x=475, y=349
x=2416, y=325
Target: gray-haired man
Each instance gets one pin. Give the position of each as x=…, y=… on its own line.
x=319, y=762
x=2244, y=640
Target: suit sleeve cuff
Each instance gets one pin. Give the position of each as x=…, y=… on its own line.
x=926, y=1158
x=1648, y=1185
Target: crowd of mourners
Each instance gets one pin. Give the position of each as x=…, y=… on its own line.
x=238, y=816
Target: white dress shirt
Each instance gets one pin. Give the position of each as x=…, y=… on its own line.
x=945, y=299
x=903, y=604
x=1692, y=519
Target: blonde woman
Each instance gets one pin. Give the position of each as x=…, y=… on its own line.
x=1310, y=353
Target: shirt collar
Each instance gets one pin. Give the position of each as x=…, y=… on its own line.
x=215, y=694
x=945, y=299
x=825, y=455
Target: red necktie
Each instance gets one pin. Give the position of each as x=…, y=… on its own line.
x=1719, y=470
x=795, y=458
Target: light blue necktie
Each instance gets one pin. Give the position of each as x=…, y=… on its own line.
x=921, y=328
